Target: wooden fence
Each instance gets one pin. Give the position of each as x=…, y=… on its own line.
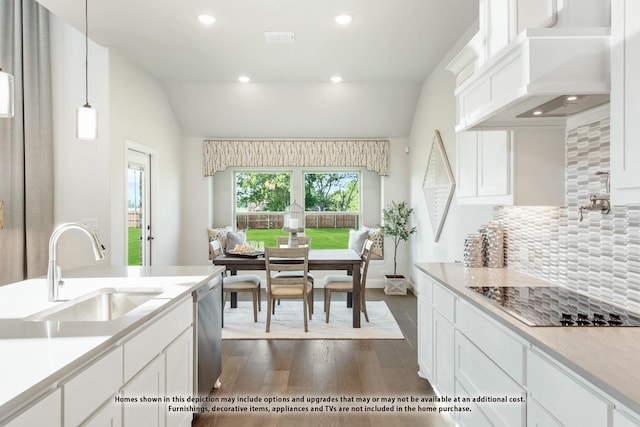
x=270, y=220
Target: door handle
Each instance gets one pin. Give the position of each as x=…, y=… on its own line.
x=150, y=237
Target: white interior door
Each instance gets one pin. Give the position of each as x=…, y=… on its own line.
x=139, y=230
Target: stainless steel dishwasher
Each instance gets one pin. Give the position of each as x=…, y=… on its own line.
x=207, y=336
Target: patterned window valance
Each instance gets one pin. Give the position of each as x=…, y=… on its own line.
x=371, y=154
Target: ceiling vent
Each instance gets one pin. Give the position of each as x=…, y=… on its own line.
x=280, y=36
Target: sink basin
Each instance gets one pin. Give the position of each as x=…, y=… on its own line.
x=98, y=306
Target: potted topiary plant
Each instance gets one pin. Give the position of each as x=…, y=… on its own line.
x=396, y=225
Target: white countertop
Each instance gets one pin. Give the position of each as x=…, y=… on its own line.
x=609, y=357
x=30, y=366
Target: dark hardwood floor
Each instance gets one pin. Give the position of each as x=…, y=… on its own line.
x=321, y=368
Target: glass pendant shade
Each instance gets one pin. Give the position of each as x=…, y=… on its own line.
x=87, y=123
x=6, y=94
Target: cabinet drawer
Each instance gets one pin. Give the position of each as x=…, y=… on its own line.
x=445, y=302
x=500, y=345
x=425, y=288
x=481, y=377
x=563, y=395
x=88, y=390
x=146, y=345
x=47, y=411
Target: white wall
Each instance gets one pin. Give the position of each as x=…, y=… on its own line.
x=436, y=109
x=81, y=168
x=141, y=113
x=89, y=176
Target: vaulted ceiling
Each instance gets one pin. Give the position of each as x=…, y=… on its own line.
x=383, y=56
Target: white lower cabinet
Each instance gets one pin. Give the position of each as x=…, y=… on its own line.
x=148, y=388
x=90, y=389
x=475, y=417
x=480, y=376
x=425, y=338
x=110, y=415
x=621, y=418
x=179, y=376
x=46, y=412
x=465, y=353
x=444, y=354
x=154, y=363
x=537, y=416
x=563, y=395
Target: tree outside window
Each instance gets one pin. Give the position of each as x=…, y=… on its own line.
x=266, y=192
x=334, y=192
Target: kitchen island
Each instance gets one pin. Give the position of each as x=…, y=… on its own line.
x=93, y=362
x=468, y=346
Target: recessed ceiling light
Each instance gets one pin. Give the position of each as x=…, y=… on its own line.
x=343, y=19
x=336, y=79
x=206, y=19
x=572, y=98
x=244, y=79
x=537, y=113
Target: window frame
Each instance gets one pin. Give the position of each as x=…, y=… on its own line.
x=297, y=187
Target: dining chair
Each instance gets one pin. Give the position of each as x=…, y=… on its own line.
x=239, y=283
x=295, y=286
x=344, y=283
x=283, y=241
x=303, y=241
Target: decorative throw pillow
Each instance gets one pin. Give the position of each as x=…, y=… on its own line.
x=218, y=234
x=357, y=239
x=377, y=249
x=235, y=238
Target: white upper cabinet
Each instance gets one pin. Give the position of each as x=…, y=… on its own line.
x=533, y=63
x=522, y=167
x=502, y=20
x=625, y=102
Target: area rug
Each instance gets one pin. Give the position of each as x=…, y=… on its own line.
x=288, y=323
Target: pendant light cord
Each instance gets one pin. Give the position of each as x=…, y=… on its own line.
x=86, y=53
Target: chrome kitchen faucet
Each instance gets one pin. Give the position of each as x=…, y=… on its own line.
x=54, y=273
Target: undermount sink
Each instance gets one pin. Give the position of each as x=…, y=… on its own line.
x=98, y=306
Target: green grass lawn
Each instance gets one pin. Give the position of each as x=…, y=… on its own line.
x=134, y=246
x=321, y=238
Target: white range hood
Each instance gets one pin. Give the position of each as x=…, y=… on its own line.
x=545, y=75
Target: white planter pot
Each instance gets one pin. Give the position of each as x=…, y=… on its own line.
x=395, y=284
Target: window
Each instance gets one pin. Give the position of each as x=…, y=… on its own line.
x=331, y=200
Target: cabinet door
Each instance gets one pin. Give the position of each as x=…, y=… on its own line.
x=444, y=354
x=623, y=420
x=425, y=338
x=538, y=417
x=47, y=412
x=147, y=386
x=535, y=14
x=110, y=415
x=467, y=164
x=493, y=163
x=625, y=101
x=496, y=17
x=179, y=375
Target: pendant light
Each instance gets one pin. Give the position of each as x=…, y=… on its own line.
x=86, y=116
x=6, y=94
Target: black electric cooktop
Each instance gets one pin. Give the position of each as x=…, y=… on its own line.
x=556, y=306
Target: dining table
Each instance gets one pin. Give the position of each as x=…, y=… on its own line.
x=319, y=259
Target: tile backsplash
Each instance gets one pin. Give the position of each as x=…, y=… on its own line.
x=599, y=255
